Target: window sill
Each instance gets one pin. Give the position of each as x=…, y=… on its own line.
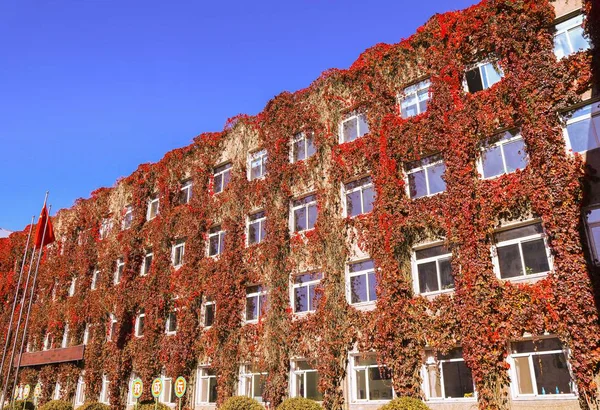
x=527, y=278
x=567, y=396
x=452, y=400
x=171, y=333
x=364, y=306
x=435, y=293
x=426, y=196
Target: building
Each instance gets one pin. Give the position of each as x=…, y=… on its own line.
x=420, y=224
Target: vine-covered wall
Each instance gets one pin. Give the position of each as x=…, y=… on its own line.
x=482, y=315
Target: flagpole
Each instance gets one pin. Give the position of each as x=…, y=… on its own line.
x=12, y=354
x=31, y=294
x=14, y=305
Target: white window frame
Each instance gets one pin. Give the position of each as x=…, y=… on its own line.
x=206, y=302
x=72, y=286
x=168, y=323
x=48, y=342
x=425, y=169
x=80, y=391
x=105, y=228
x=218, y=234
x=104, y=396
x=167, y=393
x=139, y=318
x=95, y=277
x=246, y=372
x=495, y=246
x=574, y=21
x=514, y=385
x=262, y=292
x=350, y=275
x=151, y=202
x=112, y=326
x=186, y=187
x=353, y=380
x=351, y=117
x=127, y=218
x=260, y=221
x=145, y=268
x=64, y=343
x=296, y=373
x=360, y=189
x=130, y=399
x=588, y=233
x=306, y=206
x=302, y=137
x=315, y=282
x=86, y=334
x=226, y=170
x=253, y=156
x=203, y=397
x=415, y=267
x=411, y=90
x=479, y=66
x=500, y=144
x=56, y=393
x=583, y=117
x=119, y=269
x=432, y=361
x=175, y=248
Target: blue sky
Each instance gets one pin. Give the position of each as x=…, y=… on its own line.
x=89, y=89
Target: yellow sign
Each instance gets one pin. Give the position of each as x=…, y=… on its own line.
x=157, y=387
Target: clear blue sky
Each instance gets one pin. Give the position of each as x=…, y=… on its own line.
x=100, y=86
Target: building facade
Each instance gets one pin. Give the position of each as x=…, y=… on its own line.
x=425, y=223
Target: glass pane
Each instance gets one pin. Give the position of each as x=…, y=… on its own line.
x=358, y=289
x=416, y=184
x=300, y=219
x=435, y=387
x=509, y=259
x=213, y=245
x=552, y=374
x=409, y=106
x=209, y=315
x=427, y=277
x=492, y=162
x=561, y=46
x=368, y=199
x=252, y=308
x=259, y=385
x=534, y=254
x=221, y=242
x=593, y=215
x=446, y=278
x=519, y=232
x=350, y=130
x=490, y=76
x=312, y=386
x=578, y=41
x=596, y=239
x=263, y=231
x=253, y=233
x=360, y=266
x=515, y=155
x=363, y=127
x=300, y=299
x=256, y=168
x=299, y=152
x=226, y=177
x=436, y=183
x=353, y=203
x=310, y=146
x=581, y=135
x=458, y=381
x=361, y=385
x=474, y=82
x=523, y=375
x=380, y=384
x=212, y=392
x=312, y=216
x=372, y=286
x=542, y=345
x=300, y=388
x=431, y=252
x=218, y=183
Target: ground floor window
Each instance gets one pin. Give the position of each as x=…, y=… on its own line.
x=370, y=382
x=252, y=382
x=207, y=386
x=447, y=376
x=540, y=368
x=305, y=381
x=80, y=392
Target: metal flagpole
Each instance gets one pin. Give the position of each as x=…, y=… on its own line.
x=31, y=294
x=14, y=305
x=12, y=354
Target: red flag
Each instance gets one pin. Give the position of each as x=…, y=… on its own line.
x=39, y=231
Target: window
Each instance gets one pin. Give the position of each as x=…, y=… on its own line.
x=521, y=252
x=130, y=399
x=168, y=393
x=252, y=382
x=119, y=271
x=305, y=296
x=112, y=328
x=256, y=302
x=171, y=325
x=256, y=227
x=80, y=392
x=210, y=307
x=359, y=197
x=95, y=279
x=56, y=394
x=128, y=217
x=147, y=263
x=353, y=127
x=425, y=176
x=221, y=177
x=303, y=146
x=503, y=156
x=105, y=228
x=48, y=341
x=257, y=165
x=432, y=270
x=583, y=128
x=65, y=339
x=152, y=208
x=86, y=334
x=104, y=393
x=414, y=99
x=73, y=286
x=305, y=381
x=362, y=282
x=592, y=222
x=539, y=367
x=482, y=77
x=140, y=321
x=216, y=241
x=369, y=380
x=177, y=255
x=304, y=213
x=569, y=37
x=54, y=289
x=448, y=377
x=207, y=386
x=185, y=193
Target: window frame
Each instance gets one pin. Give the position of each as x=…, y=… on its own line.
x=588, y=233
x=86, y=334
x=350, y=117
x=434, y=361
x=218, y=234
x=168, y=332
x=145, y=268
x=127, y=218
x=151, y=201
x=119, y=270
x=501, y=143
x=248, y=372
x=307, y=137
x=221, y=173
x=360, y=188
x=261, y=222
x=95, y=278
x=202, y=374
x=106, y=226
x=186, y=186
x=414, y=89
x=261, y=310
x=568, y=119
x=104, y=395
x=353, y=379
x=180, y=244
x=349, y=275
x=295, y=373
x=316, y=283
x=519, y=241
x=479, y=65
x=80, y=391
x=415, y=267
x=293, y=208
x=140, y=322
x=425, y=168
x=72, y=287
x=205, y=303
x=112, y=327
x=261, y=154
x=575, y=21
